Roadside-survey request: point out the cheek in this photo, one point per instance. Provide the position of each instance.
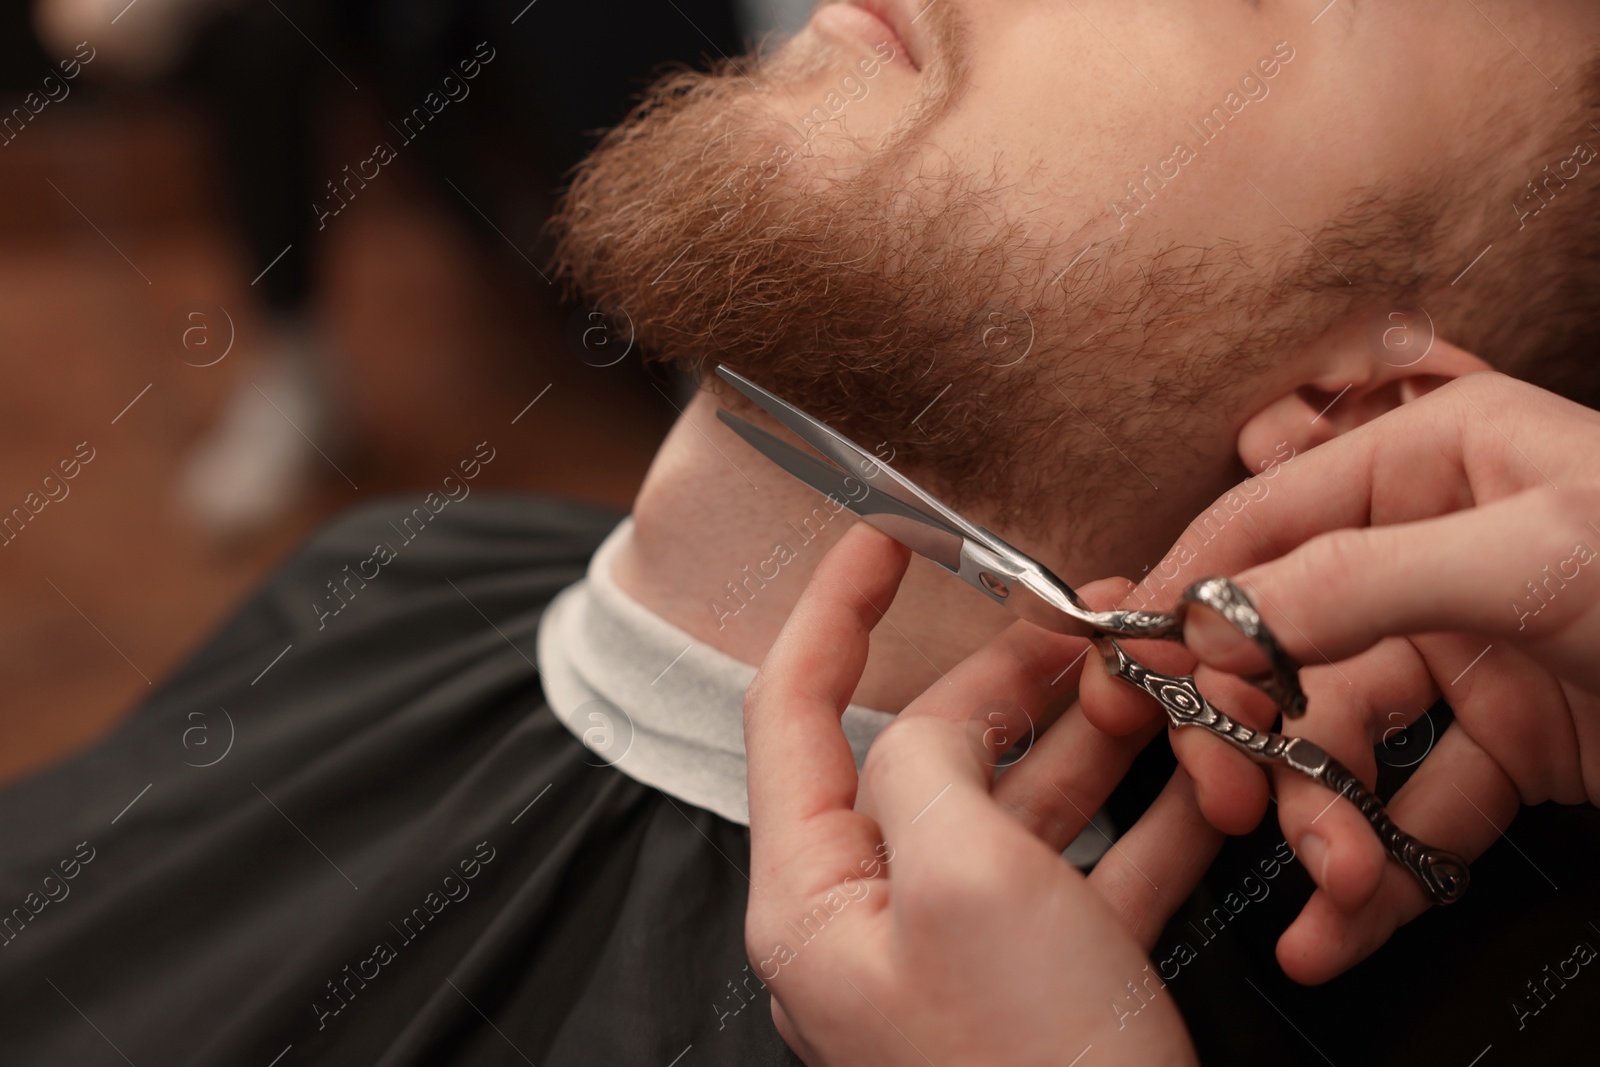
(1064, 135)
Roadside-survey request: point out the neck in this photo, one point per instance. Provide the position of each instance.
(724, 542)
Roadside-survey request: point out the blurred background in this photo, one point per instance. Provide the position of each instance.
(262, 260)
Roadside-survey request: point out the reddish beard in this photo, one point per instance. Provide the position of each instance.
(892, 307)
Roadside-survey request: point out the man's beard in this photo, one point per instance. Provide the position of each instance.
(889, 294)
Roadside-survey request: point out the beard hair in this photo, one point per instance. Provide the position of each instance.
(855, 298)
(873, 295)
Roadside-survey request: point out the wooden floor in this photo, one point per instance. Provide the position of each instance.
(109, 231)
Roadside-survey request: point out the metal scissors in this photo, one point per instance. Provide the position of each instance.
(893, 503)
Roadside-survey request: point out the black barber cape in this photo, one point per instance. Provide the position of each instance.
(363, 838)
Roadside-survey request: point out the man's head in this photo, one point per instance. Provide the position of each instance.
(1066, 252)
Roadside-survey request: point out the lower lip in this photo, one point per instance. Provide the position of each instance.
(858, 24)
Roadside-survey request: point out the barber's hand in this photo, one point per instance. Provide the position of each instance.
(1449, 548)
(913, 916)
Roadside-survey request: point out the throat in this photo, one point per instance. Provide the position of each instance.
(724, 543)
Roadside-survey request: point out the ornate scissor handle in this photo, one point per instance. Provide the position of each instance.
(1444, 875)
(1281, 679)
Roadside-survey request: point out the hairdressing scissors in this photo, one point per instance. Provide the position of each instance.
(893, 503)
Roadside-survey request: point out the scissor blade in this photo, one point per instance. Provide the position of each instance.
(922, 533)
(885, 480)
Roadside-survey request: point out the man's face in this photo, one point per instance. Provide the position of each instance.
(1059, 250)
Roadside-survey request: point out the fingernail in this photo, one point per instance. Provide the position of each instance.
(1314, 857)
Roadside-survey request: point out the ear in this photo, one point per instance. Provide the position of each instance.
(1357, 372)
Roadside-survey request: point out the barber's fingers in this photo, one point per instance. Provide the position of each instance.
(1018, 678)
(1336, 843)
(1515, 710)
(1506, 704)
(1151, 870)
(1325, 941)
(1586, 723)
(1000, 691)
(945, 744)
(1066, 776)
(1008, 691)
(934, 765)
(1331, 486)
(1482, 437)
(1350, 707)
(1230, 788)
(802, 775)
(1119, 708)
(1468, 571)
(1072, 767)
(947, 840)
